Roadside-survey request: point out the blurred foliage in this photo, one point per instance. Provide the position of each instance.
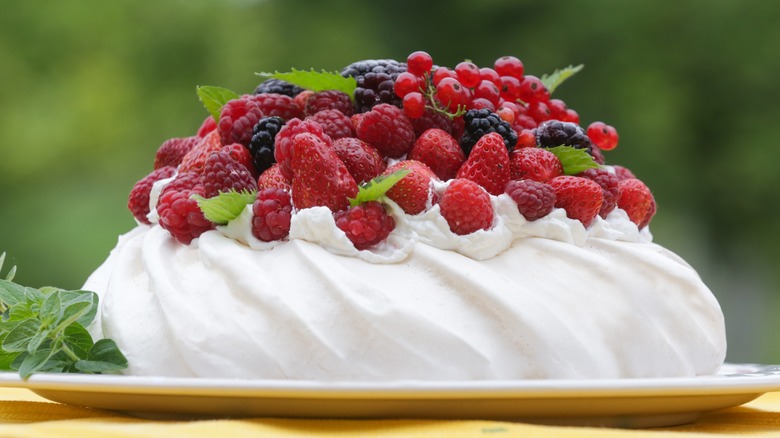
(89, 90)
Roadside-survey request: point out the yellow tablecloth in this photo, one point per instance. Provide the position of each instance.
(24, 414)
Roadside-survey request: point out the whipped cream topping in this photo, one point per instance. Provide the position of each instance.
(542, 299)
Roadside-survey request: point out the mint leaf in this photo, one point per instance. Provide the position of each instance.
(552, 81)
(224, 207)
(316, 80)
(377, 187)
(214, 98)
(574, 160)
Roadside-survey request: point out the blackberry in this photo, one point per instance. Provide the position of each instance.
(556, 133)
(278, 86)
(375, 80)
(262, 144)
(478, 122)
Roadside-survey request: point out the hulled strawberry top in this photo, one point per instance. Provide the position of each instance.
(385, 140)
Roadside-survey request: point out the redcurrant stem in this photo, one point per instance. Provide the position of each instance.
(429, 91)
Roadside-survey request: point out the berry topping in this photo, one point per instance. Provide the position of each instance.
(440, 152)
(237, 119)
(419, 63)
(535, 164)
(334, 123)
(241, 155)
(138, 201)
(196, 157)
(556, 133)
(279, 105)
(362, 160)
(609, 186)
(411, 193)
(284, 141)
(488, 164)
(278, 86)
(480, 122)
(222, 173)
(386, 128)
(320, 178)
(179, 212)
(271, 214)
(272, 177)
(580, 197)
(534, 199)
(466, 207)
(208, 125)
(173, 150)
(329, 100)
(375, 78)
(623, 172)
(262, 144)
(636, 200)
(602, 135)
(366, 224)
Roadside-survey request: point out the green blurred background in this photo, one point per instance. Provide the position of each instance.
(90, 89)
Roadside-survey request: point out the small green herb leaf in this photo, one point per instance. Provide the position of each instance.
(103, 357)
(224, 207)
(552, 81)
(19, 337)
(316, 80)
(574, 160)
(377, 187)
(34, 362)
(213, 98)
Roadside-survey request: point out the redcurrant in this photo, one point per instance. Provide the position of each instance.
(441, 73)
(557, 109)
(526, 138)
(452, 94)
(488, 74)
(414, 105)
(510, 88)
(602, 135)
(539, 111)
(487, 90)
(533, 90)
(509, 66)
(405, 83)
(480, 103)
(572, 116)
(506, 114)
(419, 63)
(468, 74)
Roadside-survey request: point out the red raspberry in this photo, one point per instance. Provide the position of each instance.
(636, 200)
(488, 164)
(271, 214)
(237, 119)
(173, 150)
(623, 173)
(272, 177)
(362, 160)
(386, 128)
(196, 158)
(598, 157)
(138, 201)
(179, 213)
(284, 141)
(366, 224)
(580, 197)
(320, 178)
(434, 119)
(440, 152)
(241, 155)
(272, 104)
(329, 100)
(222, 173)
(609, 186)
(466, 207)
(334, 123)
(535, 164)
(534, 199)
(412, 191)
(302, 97)
(208, 125)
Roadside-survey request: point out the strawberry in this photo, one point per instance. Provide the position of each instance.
(439, 151)
(466, 206)
(173, 150)
(320, 178)
(284, 140)
(412, 191)
(241, 155)
(580, 197)
(535, 164)
(196, 158)
(636, 200)
(362, 160)
(488, 164)
(272, 177)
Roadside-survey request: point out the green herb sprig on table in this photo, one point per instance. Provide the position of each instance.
(44, 330)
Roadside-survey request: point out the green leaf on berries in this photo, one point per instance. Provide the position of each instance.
(552, 81)
(377, 187)
(226, 206)
(574, 160)
(316, 80)
(214, 98)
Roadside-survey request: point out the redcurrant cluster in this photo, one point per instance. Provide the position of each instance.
(521, 100)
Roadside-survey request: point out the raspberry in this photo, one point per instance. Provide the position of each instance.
(466, 207)
(411, 193)
(279, 105)
(609, 186)
(237, 119)
(362, 160)
(386, 128)
(208, 125)
(534, 199)
(334, 123)
(196, 157)
(272, 177)
(173, 150)
(366, 224)
(138, 201)
(434, 119)
(271, 214)
(179, 213)
(479, 123)
(320, 178)
(439, 151)
(375, 79)
(556, 133)
(222, 173)
(329, 100)
(622, 172)
(241, 155)
(535, 164)
(278, 86)
(284, 141)
(580, 197)
(262, 144)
